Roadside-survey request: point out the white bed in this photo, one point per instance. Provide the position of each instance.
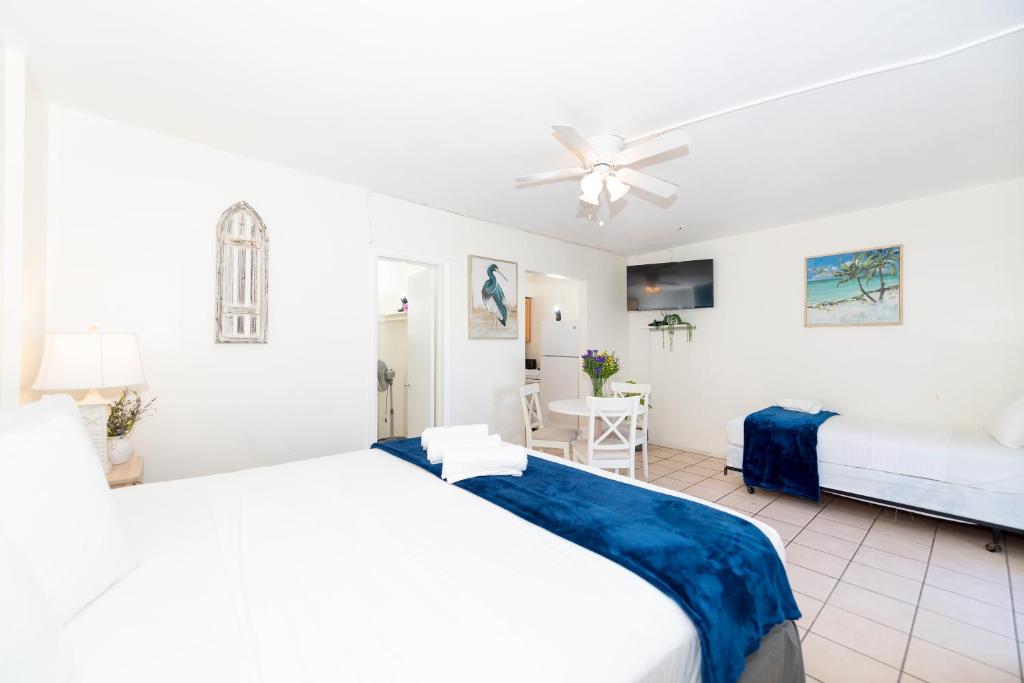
(962, 474)
(362, 567)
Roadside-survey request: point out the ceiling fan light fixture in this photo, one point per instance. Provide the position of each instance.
(591, 185)
(616, 188)
(593, 200)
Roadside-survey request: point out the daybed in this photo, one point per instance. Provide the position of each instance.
(956, 474)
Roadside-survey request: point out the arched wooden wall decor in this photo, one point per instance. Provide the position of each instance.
(241, 276)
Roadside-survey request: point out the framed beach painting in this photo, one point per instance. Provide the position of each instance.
(854, 288)
(493, 298)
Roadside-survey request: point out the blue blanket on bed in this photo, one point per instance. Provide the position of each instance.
(719, 568)
(780, 451)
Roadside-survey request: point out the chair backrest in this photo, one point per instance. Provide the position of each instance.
(611, 430)
(620, 389)
(529, 395)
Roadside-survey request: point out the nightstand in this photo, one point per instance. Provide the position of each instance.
(127, 474)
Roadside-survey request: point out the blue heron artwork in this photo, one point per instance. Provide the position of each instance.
(493, 298)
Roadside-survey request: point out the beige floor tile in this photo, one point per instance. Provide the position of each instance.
(703, 492)
(685, 459)
(832, 663)
(660, 469)
(778, 509)
(688, 477)
(894, 564)
(702, 470)
(1018, 599)
(938, 665)
(979, 589)
(883, 582)
(875, 606)
(975, 612)
(907, 678)
(838, 513)
(970, 641)
(857, 507)
(809, 608)
(752, 503)
(907, 528)
(787, 531)
(1020, 627)
(971, 560)
(809, 582)
(897, 546)
(826, 543)
(723, 486)
(844, 531)
(671, 484)
(809, 558)
(863, 635)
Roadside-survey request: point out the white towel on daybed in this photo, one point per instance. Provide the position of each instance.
(463, 462)
(804, 405)
(431, 433)
(440, 445)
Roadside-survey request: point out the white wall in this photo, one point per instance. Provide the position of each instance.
(33, 276)
(131, 247)
(548, 292)
(959, 353)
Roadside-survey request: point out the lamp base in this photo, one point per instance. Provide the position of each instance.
(95, 410)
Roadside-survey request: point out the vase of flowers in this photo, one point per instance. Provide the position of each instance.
(125, 412)
(599, 366)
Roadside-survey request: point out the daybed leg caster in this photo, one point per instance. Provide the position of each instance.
(725, 469)
(750, 489)
(996, 546)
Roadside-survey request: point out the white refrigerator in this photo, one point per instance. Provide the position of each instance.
(559, 367)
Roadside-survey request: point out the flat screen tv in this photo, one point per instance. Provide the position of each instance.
(668, 286)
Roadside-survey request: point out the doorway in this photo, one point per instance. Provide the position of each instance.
(409, 345)
(555, 336)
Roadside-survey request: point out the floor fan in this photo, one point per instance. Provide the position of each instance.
(385, 380)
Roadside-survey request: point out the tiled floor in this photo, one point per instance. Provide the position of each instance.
(885, 596)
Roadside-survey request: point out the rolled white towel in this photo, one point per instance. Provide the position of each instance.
(440, 445)
(463, 462)
(804, 405)
(431, 433)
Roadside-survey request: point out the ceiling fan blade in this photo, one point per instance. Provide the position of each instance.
(552, 175)
(673, 139)
(571, 138)
(657, 186)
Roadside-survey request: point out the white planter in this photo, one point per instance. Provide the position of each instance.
(121, 450)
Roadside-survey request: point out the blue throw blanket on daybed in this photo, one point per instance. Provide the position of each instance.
(780, 451)
(720, 569)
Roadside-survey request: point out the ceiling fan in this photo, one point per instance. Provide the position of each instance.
(606, 159)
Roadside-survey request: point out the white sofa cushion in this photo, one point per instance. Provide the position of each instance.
(1007, 424)
(33, 646)
(56, 507)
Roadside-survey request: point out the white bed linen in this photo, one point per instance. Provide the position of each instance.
(363, 567)
(913, 450)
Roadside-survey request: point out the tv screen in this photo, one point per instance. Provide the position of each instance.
(667, 286)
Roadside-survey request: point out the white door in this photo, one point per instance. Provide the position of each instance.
(420, 350)
(559, 338)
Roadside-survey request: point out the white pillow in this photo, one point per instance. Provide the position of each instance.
(1007, 424)
(56, 507)
(33, 646)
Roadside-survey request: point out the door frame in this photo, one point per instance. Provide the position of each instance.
(442, 375)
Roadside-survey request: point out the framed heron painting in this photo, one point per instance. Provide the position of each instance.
(493, 298)
(854, 288)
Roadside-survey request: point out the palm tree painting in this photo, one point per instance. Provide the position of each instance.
(855, 288)
(493, 298)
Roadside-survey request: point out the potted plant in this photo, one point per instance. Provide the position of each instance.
(599, 366)
(125, 412)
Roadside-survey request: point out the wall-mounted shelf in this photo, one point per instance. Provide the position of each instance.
(671, 330)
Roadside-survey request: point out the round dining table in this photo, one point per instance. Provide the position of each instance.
(578, 407)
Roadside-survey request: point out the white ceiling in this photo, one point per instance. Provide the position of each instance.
(445, 102)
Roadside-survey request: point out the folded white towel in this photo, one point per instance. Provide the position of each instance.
(440, 445)
(431, 433)
(804, 405)
(463, 462)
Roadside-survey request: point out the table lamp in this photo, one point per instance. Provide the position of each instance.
(90, 360)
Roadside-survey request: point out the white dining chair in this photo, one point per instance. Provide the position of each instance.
(611, 434)
(537, 435)
(643, 391)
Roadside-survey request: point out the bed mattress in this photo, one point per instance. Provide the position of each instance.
(960, 472)
(362, 567)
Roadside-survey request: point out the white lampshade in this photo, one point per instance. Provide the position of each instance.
(591, 186)
(89, 360)
(616, 188)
